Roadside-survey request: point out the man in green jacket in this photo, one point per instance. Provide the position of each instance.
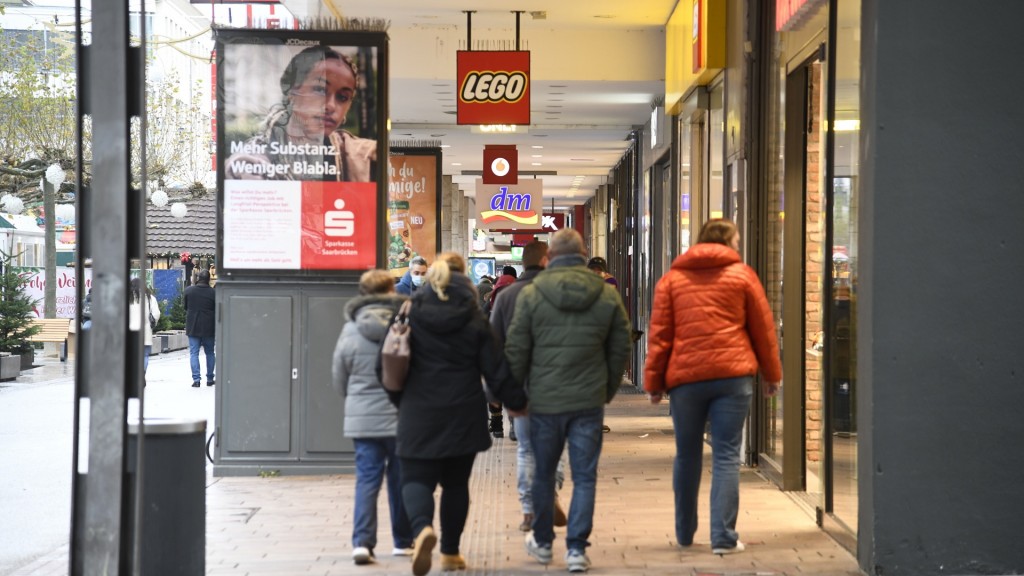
(569, 338)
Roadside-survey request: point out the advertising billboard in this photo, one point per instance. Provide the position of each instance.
(301, 124)
(414, 211)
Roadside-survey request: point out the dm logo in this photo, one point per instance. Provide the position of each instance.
(512, 207)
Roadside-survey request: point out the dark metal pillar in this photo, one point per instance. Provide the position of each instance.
(108, 368)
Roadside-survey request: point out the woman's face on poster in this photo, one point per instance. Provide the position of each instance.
(321, 101)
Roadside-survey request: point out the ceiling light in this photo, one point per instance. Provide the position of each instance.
(456, 163)
(536, 164)
(847, 125)
(446, 145)
(537, 156)
(537, 146)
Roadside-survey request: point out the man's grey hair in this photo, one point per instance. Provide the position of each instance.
(418, 261)
(566, 241)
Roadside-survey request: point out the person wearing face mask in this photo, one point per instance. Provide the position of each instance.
(306, 126)
(414, 277)
(711, 331)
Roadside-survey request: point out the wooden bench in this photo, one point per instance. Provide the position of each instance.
(53, 330)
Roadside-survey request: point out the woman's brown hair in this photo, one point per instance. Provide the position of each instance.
(376, 282)
(717, 231)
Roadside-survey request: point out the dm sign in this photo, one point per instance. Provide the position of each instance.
(504, 206)
(494, 87)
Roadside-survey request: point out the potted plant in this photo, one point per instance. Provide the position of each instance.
(16, 312)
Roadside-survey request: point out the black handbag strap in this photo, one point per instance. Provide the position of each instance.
(403, 312)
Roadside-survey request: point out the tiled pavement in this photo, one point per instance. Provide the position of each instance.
(302, 525)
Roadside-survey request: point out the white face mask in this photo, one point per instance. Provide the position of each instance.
(417, 280)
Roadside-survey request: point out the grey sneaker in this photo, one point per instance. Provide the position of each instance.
(739, 547)
(577, 561)
(539, 552)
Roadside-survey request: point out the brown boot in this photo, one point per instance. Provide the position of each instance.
(422, 549)
(527, 524)
(452, 562)
(559, 514)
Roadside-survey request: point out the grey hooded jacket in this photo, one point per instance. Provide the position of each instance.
(368, 412)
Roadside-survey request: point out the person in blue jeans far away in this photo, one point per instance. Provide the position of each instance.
(201, 325)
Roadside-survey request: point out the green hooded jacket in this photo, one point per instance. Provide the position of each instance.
(569, 339)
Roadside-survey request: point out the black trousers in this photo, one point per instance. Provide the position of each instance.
(419, 479)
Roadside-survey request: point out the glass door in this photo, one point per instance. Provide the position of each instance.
(842, 500)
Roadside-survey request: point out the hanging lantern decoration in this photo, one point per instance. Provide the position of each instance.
(66, 212)
(55, 175)
(159, 198)
(12, 204)
(179, 210)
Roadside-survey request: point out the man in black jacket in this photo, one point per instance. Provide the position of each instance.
(200, 325)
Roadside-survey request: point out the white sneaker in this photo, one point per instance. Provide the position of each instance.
(577, 561)
(540, 553)
(362, 555)
(402, 552)
(734, 550)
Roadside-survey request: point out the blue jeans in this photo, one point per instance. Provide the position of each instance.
(549, 433)
(375, 458)
(145, 358)
(725, 404)
(525, 465)
(194, 342)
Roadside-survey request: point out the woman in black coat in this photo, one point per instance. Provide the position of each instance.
(440, 417)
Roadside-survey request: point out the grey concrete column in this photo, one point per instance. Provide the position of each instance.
(446, 213)
(939, 289)
(463, 224)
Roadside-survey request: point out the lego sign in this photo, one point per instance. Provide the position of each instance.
(506, 206)
(494, 87)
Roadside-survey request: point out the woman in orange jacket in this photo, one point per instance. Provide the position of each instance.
(711, 329)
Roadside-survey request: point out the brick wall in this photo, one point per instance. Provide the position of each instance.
(814, 233)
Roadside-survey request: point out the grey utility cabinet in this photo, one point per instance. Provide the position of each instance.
(276, 409)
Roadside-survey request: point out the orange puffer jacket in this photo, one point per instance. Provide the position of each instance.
(710, 320)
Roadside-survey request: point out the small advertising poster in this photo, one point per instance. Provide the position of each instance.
(480, 267)
(298, 118)
(414, 183)
(502, 207)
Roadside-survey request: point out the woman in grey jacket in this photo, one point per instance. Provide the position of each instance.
(370, 418)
